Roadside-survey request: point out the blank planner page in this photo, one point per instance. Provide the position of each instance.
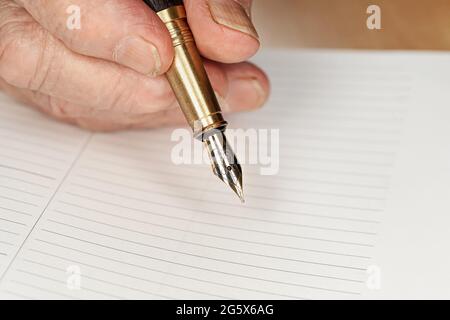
(356, 206)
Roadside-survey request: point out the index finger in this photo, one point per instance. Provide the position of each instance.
(125, 31)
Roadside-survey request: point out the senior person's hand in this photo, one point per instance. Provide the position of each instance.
(108, 74)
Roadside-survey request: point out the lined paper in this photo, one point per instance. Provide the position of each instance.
(36, 155)
(136, 226)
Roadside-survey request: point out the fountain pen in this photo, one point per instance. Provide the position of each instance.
(195, 95)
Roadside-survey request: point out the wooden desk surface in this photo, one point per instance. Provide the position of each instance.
(406, 24)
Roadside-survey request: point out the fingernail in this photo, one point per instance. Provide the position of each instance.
(138, 54)
(246, 93)
(233, 15)
(222, 102)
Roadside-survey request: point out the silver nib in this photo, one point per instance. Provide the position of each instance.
(224, 162)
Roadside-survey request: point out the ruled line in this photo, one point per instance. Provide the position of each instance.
(204, 245)
(86, 142)
(251, 195)
(249, 173)
(336, 117)
(43, 289)
(278, 177)
(9, 232)
(234, 216)
(17, 211)
(248, 230)
(187, 209)
(14, 222)
(260, 186)
(336, 107)
(247, 196)
(344, 161)
(311, 192)
(37, 154)
(25, 181)
(146, 268)
(21, 123)
(212, 235)
(336, 150)
(19, 295)
(327, 182)
(165, 173)
(347, 173)
(200, 256)
(27, 171)
(129, 276)
(197, 200)
(34, 163)
(19, 201)
(98, 279)
(164, 161)
(328, 138)
(33, 143)
(84, 288)
(198, 267)
(22, 191)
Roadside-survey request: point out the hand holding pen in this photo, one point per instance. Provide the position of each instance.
(108, 74)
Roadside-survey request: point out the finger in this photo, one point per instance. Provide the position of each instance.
(223, 29)
(125, 31)
(239, 87)
(91, 119)
(31, 58)
(248, 87)
(57, 108)
(106, 122)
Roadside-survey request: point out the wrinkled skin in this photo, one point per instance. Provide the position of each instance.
(98, 78)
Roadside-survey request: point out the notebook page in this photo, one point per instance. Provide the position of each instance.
(36, 155)
(127, 223)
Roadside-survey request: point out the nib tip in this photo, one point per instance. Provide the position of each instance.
(240, 194)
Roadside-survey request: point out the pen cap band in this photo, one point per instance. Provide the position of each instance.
(188, 78)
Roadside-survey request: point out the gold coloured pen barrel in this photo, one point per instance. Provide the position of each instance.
(188, 77)
(190, 83)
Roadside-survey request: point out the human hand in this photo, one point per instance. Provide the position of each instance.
(108, 74)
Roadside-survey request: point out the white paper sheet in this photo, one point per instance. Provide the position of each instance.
(363, 183)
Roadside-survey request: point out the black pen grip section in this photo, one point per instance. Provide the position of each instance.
(160, 5)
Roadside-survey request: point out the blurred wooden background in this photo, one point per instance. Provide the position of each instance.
(406, 24)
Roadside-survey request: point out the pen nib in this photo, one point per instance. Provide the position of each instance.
(224, 163)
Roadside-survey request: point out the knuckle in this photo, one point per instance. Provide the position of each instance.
(45, 67)
(10, 45)
(163, 95)
(27, 54)
(58, 108)
(130, 94)
(61, 109)
(120, 95)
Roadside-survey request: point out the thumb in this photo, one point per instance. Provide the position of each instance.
(223, 29)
